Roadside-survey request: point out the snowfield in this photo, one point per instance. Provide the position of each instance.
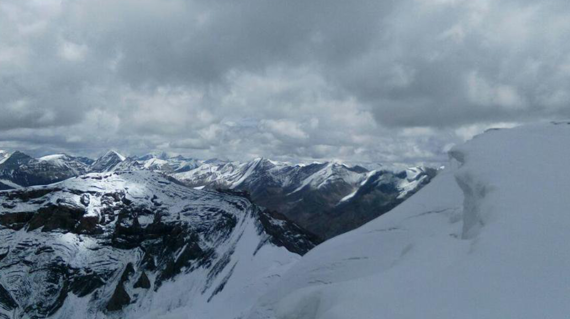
(485, 239)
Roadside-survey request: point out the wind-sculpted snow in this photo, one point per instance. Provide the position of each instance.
(137, 244)
(485, 239)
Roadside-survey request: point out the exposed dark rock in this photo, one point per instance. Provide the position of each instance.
(223, 283)
(6, 300)
(84, 199)
(281, 230)
(142, 282)
(84, 285)
(28, 194)
(15, 221)
(174, 265)
(52, 217)
(8, 205)
(127, 273)
(89, 225)
(119, 299)
(148, 262)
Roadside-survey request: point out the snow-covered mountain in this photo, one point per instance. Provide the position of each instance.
(107, 162)
(168, 164)
(79, 165)
(20, 169)
(485, 239)
(138, 244)
(326, 198)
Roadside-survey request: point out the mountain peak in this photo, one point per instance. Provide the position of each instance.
(114, 153)
(17, 157)
(107, 162)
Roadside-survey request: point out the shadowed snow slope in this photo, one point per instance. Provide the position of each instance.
(485, 239)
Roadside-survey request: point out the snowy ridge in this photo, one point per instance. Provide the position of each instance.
(9, 183)
(331, 172)
(64, 161)
(485, 239)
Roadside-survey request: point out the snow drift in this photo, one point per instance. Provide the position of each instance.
(485, 239)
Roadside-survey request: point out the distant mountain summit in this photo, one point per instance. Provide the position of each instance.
(168, 164)
(23, 170)
(107, 162)
(79, 165)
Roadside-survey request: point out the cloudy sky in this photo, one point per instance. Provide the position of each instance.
(378, 80)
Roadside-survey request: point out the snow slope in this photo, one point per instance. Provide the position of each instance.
(4, 155)
(485, 239)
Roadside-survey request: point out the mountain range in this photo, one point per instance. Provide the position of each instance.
(327, 198)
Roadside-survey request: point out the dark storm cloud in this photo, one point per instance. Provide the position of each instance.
(367, 80)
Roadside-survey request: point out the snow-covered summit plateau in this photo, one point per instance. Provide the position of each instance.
(487, 238)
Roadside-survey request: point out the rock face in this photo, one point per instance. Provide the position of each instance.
(134, 244)
(325, 198)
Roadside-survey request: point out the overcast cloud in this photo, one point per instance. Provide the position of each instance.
(380, 81)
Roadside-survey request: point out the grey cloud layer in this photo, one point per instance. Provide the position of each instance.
(365, 80)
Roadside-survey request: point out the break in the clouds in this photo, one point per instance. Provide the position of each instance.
(397, 81)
